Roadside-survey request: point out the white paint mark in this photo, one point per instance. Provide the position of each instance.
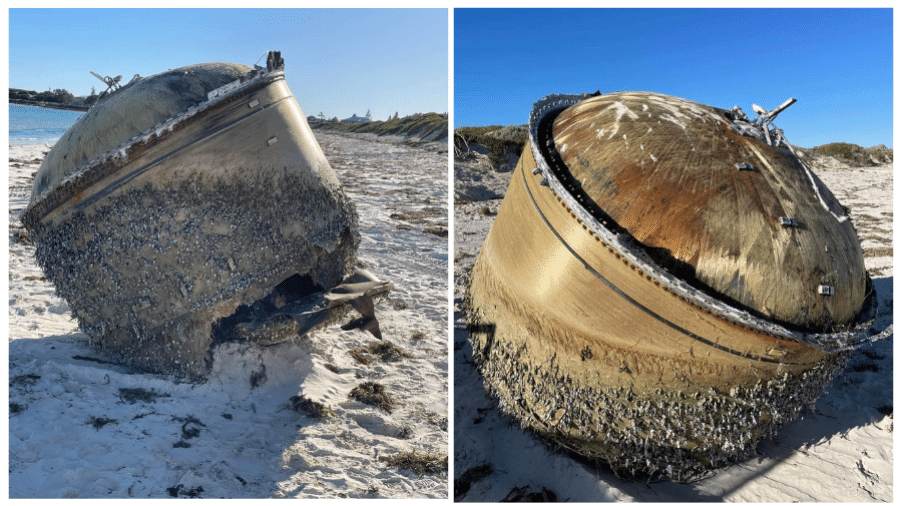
(672, 119)
(621, 110)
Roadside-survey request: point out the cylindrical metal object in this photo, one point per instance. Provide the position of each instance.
(624, 301)
(171, 203)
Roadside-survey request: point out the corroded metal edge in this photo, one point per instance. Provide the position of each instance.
(542, 146)
(119, 156)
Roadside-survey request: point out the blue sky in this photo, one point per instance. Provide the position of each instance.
(837, 63)
(338, 62)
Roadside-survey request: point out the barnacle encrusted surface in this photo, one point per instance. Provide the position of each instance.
(186, 256)
(678, 434)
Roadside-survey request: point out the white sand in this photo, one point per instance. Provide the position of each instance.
(841, 452)
(76, 432)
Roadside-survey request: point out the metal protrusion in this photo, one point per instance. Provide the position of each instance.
(536, 171)
(112, 83)
(774, 112)
(826, 290)
(272, 141)
(274, 61)
(789, 222)
(253, 103)
(545, 181)
(744, 166)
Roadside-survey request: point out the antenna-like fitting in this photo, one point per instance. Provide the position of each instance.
(764, 120)
(112, 83)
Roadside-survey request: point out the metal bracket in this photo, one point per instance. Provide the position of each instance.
(826, 290)
(789, 222)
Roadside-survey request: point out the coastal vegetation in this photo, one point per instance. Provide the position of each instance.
(854, 155)
(427, 127)
(58, 99)
(498, 140)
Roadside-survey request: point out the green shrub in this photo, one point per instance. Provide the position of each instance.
(498, 147)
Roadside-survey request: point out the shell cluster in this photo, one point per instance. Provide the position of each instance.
(676, 435)
(107, 265)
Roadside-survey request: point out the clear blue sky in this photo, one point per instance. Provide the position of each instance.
(837, 63)
(338, 62)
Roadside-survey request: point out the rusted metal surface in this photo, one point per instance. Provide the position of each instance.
(588, 315)
(663, 169)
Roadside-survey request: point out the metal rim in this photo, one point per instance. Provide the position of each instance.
(118, 157)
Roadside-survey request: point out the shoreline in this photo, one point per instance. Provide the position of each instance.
(49, 105)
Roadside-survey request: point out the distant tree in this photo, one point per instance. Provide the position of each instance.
(92, 98)
(396, 115)
(369, 115)
(63, 96)
(45, 96)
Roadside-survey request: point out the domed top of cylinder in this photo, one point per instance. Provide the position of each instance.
(715, 205)
(128, 112)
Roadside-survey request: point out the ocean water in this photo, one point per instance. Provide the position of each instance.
(38, 125)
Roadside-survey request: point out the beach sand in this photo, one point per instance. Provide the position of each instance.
(81, 426)
(840, 452)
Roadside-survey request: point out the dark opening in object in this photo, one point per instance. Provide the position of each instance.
(287, 292)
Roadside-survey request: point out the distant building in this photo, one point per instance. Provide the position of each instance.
(355, 119)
